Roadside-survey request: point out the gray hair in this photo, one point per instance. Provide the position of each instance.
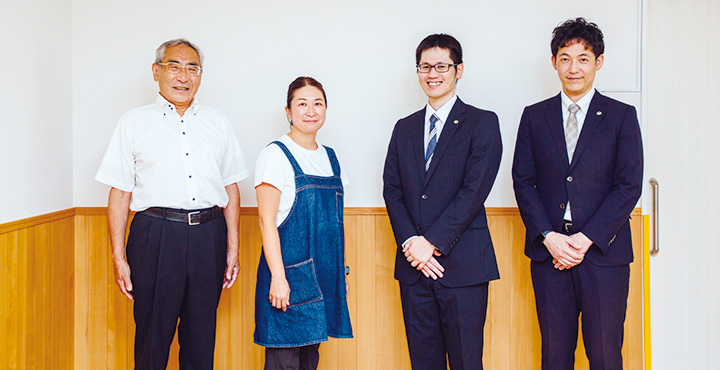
(160, 54)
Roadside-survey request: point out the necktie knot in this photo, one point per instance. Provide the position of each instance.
(573, 108)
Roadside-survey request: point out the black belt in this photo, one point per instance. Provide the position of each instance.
(192, 217)
(567, 226)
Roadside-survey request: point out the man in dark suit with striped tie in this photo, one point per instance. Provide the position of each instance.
(441, 164)
(577, 175)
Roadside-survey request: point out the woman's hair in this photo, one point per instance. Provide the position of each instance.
(301, 82)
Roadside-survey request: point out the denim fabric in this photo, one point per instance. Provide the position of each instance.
(312, 242)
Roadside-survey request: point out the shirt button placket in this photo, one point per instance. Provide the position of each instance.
(188, 162)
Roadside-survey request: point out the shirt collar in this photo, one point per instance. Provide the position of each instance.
(165, 106)
(583, 103)
(441, 113)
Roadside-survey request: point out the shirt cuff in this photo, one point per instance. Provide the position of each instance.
(409, 239)
(237, 178)
(109, 181)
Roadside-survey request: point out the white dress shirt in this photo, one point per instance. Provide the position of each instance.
(442, 115)
(166, 160)
(584, 104)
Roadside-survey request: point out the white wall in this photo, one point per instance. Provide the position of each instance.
(682, 154)
(36, 173)
(363, 52)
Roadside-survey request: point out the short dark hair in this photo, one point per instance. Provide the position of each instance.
(301, 82)
(578, 30)
(442, 41)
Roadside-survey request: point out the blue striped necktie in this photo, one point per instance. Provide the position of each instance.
(432, 143)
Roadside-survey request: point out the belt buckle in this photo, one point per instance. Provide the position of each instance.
(190, 221)
(567, 225)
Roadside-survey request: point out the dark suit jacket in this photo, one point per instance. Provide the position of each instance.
(603, 181)
(446, 204)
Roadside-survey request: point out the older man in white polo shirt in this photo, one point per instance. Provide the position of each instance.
(176, 163)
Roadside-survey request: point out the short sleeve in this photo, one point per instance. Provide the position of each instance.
(343, 173)
(117, 168)
(273, 168)
(234, 166)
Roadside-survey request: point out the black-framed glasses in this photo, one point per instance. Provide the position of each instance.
(440, 67)
(176, 68)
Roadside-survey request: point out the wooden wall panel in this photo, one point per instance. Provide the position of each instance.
(511, 330)
(36, 304)
(62, 286)
(64, 310)
(103, 322)
(82, 307)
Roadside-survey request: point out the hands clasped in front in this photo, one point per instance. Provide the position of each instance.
(421, 255)
(567, 250)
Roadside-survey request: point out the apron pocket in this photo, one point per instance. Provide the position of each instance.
(304, 287)
(339, 206)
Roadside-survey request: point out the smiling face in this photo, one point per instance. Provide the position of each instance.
(439, 87)
(179, 89)
(576, 67)
(307, 110)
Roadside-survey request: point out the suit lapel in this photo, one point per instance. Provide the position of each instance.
(553, 115)
(418, 143)
(592, 120)
(455, 119)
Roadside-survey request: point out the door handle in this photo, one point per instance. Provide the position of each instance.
(655, 216)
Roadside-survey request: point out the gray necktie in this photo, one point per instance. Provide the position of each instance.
(571, 131)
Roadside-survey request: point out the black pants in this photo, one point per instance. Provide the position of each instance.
(296, 358)
(177, 272)
(600, 293)
(440, 320)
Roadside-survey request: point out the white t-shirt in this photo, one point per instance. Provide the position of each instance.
(274, 168)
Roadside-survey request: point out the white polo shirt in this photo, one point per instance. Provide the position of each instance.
(166, 160)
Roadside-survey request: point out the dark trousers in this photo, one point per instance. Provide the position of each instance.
(442, 321)
(177, 272)
(295, 358)
(600, 293)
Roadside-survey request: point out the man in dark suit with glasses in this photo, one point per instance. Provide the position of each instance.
(441, 164)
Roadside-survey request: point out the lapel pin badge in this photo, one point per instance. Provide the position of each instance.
(455, 122)
(599, 113)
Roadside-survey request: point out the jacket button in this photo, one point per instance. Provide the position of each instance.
(424, 196)
(419, 226)
(569, 178)
(562, 205)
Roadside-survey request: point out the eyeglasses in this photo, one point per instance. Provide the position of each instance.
(440, 67)
(176, 68)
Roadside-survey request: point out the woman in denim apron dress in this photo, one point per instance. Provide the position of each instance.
(301, 295)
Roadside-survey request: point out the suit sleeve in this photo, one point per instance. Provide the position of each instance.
(524, 172)
(402, 224)
(627, 185)
(480, 171)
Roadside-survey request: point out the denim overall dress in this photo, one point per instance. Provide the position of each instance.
(312, 243)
